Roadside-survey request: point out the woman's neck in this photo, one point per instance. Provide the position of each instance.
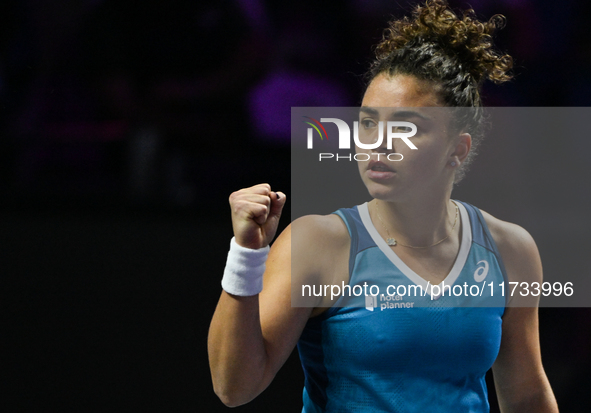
(418, 224)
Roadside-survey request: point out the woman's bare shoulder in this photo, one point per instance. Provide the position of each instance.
(517, 248)
(314, 230)
(328, 230)
(505, 232)
(313, 237)
(312, 250)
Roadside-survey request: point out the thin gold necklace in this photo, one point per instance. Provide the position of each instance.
(392, 241)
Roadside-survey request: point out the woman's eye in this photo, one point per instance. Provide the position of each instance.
(402, 129)
(368, 123)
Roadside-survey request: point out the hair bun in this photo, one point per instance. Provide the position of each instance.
(466, 40)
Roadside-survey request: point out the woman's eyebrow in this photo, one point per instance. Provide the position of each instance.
(368, 110)
(405, 114)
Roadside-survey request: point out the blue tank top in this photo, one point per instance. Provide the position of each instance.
(403, 352)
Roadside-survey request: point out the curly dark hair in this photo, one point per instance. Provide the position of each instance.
(455, 54)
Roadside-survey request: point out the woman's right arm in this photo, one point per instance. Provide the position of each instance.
(251, 337)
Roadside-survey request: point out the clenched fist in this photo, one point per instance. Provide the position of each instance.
(255, 215)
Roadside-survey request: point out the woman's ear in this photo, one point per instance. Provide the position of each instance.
(461, 150)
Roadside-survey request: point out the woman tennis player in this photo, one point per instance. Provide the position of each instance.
(404, 356)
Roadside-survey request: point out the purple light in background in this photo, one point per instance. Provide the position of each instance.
(270, 102)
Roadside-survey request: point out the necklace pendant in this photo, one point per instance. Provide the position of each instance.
(391, 241)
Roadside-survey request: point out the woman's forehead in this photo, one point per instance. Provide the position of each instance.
(400, 91)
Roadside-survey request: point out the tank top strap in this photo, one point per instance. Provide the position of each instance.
(481, 234)
(360, 237)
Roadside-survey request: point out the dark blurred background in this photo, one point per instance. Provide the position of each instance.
(125, 125)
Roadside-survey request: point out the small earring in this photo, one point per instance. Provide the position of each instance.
(453, 163)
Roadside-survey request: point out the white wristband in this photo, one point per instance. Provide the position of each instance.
(244, 270)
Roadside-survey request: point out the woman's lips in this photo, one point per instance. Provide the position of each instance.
(379, 170)
(376, 175)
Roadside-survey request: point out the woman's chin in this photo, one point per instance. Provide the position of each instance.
(383, 193)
